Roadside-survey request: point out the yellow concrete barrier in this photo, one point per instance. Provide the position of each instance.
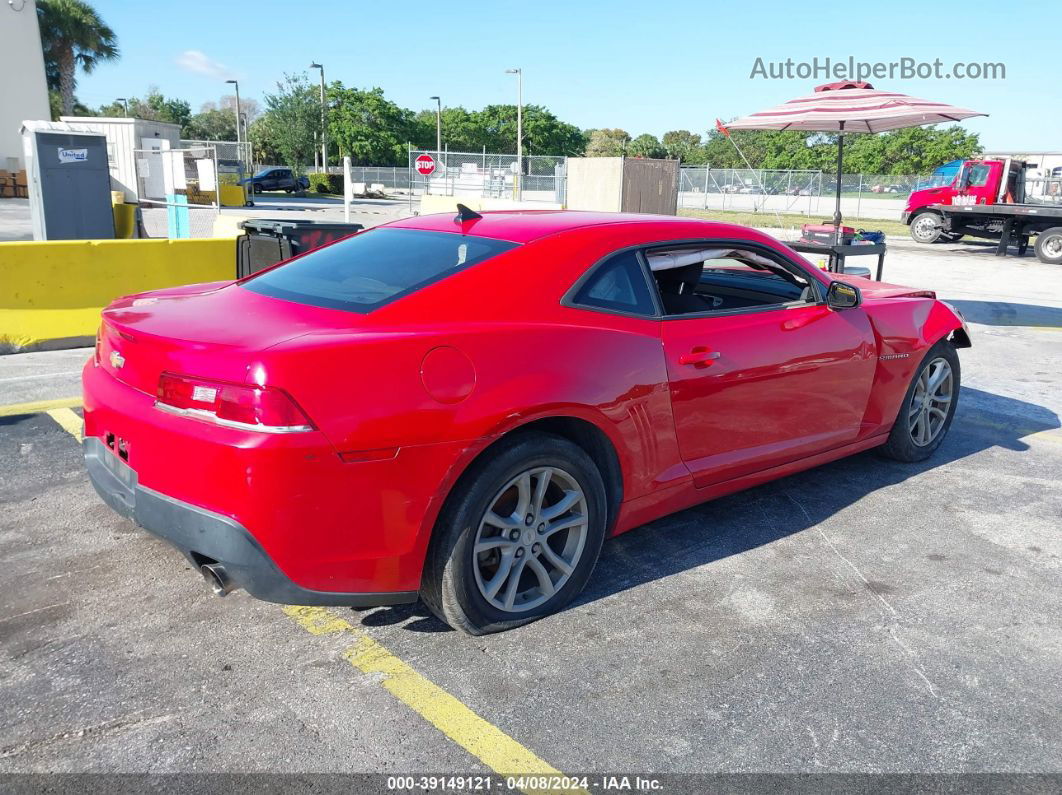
(124, 219)
(51, 292)
(233, 195)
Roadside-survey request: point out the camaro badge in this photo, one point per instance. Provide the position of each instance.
(117, 360)
(894, 356)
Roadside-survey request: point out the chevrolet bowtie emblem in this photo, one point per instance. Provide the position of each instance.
(117, 360)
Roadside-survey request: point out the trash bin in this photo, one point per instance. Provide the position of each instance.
(265, 241)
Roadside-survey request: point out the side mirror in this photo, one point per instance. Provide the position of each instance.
(842, 296)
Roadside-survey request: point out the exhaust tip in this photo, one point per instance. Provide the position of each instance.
(216, 578)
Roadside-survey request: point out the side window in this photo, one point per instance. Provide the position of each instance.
(721, 278)
(978, 176)
(618, 285)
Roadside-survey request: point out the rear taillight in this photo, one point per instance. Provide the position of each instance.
(266, 409)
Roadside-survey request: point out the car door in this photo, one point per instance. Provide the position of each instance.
(760, 386)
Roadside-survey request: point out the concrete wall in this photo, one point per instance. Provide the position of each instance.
(24, 92)
(595, 183)
(51, 292)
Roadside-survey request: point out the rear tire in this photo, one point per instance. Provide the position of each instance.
(1049, 246)
(927, 227)
(928, 406)
(518, 538)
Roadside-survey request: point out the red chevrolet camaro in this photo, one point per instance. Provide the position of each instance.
(463, 408)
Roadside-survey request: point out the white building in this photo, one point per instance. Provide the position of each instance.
(1044, 164)
(129, 140)
(23, 88)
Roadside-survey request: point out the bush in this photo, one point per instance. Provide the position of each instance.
(325, 183)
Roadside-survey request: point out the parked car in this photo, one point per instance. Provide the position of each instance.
(463, 409)
(276, 178)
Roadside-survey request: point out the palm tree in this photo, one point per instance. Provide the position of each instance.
(73, 34)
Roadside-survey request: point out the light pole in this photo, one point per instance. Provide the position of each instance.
(519, 72)
(125, 103)
(438, 127)
(239, 148)
(324, 120)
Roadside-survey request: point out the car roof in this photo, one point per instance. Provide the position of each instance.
(524, 226)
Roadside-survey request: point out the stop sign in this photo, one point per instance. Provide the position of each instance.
(425, 164)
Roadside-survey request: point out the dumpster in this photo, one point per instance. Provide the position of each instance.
(265, 241)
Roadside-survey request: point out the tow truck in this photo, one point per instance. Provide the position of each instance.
(993, 199)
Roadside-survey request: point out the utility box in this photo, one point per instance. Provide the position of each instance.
(128, 140)
(623, 184)
(69, 182)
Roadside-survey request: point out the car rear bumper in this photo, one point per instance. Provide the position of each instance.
(206, 537)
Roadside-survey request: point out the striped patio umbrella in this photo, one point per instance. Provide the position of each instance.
(850, 107)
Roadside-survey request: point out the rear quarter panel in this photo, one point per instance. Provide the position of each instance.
(367, 392)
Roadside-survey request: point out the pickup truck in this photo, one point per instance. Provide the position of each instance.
(991, 199)
(276, 178)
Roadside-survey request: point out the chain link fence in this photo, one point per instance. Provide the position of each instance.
(178, 191)
(880, 196)
(538, 178)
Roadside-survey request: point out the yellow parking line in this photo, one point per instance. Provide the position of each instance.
(38, 406)
(496, 749)
(68, 421)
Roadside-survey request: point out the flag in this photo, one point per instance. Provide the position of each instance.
(719, 126)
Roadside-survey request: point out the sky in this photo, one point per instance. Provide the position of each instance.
(643, 67)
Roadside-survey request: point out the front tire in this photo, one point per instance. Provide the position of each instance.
(928, 407)
(518, 538)
(927, 227)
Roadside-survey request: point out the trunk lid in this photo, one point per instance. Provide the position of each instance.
(211, 330)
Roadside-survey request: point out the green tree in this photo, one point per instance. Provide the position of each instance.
(157, 107)
(646, 145)
(915, 150)
(211, 125)
(72, 35)
(494, 128)
(607, 142)
(55, 105)
(290, 126)
(460, 133)
(544, 133)
(683, 145)
(262, 139)
(370, 128)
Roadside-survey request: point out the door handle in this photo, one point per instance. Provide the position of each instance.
(699, 356)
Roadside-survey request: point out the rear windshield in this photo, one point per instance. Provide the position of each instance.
(374, 268)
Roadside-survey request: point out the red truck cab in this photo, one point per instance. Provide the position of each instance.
(977, 182)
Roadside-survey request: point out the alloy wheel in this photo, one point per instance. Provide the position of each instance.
(930, 402)
(925, 225)
(530, 539)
